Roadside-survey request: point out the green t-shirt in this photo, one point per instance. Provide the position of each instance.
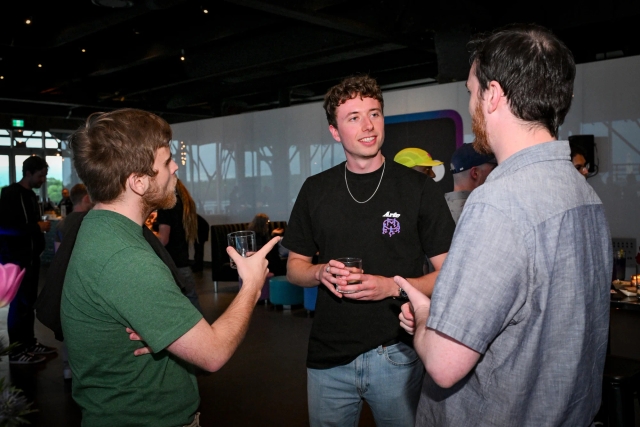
(115, 280)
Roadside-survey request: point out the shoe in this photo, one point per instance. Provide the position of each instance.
(38, 349)
(25, 358)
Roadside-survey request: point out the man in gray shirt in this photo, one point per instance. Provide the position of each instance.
(516, 334)
(470, 170)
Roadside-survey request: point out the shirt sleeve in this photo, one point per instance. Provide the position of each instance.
(299, 235)
(436, 225)
(483, 284)
(147, 298)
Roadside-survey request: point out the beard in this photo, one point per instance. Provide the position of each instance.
(157, 198)
(479, 129)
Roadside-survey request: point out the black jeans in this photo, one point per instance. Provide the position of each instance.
(20, 321)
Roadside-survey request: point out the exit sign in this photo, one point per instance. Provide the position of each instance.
(17, 123)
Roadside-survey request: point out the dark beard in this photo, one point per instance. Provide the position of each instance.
(155, 199)
(479, 128)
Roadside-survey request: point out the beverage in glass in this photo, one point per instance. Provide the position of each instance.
(354, 265)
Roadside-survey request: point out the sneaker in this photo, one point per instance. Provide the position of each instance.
(38, 349)
(25, 358)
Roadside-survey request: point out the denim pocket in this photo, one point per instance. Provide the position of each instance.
(401, 355)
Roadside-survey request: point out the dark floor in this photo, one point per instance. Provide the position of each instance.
(264, 383)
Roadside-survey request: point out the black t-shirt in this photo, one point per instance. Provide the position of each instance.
(407, 219)
(21, 240)
(178, 247)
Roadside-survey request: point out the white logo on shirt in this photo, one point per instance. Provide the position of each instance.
(391, 215)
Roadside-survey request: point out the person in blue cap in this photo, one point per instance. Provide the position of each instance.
(469, 169)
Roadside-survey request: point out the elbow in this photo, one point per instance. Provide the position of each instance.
(212, 366)
(442, 379)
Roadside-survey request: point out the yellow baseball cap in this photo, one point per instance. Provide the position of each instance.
(411, 157)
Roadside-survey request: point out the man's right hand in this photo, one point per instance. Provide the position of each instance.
(44, 226)
(253, 270)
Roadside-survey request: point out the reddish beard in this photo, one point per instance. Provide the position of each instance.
(155, 198)
(479, 128)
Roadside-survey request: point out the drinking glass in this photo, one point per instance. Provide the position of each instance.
(354, 265)
(244, 242)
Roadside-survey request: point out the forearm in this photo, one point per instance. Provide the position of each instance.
(303, 273)
(425, 283)
(231, 327)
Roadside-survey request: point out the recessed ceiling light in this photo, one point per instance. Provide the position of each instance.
(84, 50)
(205, 11)
(28, 21)
(39, 65)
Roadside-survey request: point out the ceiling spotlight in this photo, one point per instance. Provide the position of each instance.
(182, 55)
(83, 50)
(28, 21)
(39, 65)
(205, 11)
(1, 77)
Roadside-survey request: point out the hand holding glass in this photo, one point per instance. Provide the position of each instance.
(244, 242)
(354, 265)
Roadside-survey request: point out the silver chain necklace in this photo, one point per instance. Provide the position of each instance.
(374, 193)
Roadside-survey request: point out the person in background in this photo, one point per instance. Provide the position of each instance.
(177, 229)
(260, 225)
(81, 202)
(389, 216)
(120, 302)
(579, 160)
(417, 159)
(516, 331)
(198, 245)
(21, 243)
(66, 203)
(469, 169)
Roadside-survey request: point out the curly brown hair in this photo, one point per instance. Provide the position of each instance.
(362, 86)
(111, 146)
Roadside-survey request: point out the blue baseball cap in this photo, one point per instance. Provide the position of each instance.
(466, 157)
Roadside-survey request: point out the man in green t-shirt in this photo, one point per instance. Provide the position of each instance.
(118, 292)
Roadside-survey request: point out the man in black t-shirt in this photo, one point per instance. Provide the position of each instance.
(391, 217)
(21, 242)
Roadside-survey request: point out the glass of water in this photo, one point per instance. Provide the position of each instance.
(244, 242)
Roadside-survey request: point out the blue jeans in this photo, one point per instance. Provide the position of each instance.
(388, 378)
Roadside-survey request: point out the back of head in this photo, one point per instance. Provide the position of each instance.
(77, 193)
(575, 150)
(362, 86)
(33, 164)
(465, 157)
(534, 68)
(112, 146)
(260, 224)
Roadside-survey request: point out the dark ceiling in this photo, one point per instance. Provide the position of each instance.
(77, 56)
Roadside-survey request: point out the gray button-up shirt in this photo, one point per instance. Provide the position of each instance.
(526, 284)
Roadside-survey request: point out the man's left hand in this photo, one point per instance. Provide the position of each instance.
(372, 288)
(133, 336)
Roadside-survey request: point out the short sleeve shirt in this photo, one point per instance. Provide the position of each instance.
(405, 220)
(525, 284)
(114, 281)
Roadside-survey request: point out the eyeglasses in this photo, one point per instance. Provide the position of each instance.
(581, 168)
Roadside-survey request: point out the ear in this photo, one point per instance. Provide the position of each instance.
(334, 133)
(473, 173)
(138, 183)
(493, 96)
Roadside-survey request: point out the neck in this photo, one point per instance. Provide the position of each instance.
(24, 182)
(124, 206)
(516, 137)
(365, 165)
